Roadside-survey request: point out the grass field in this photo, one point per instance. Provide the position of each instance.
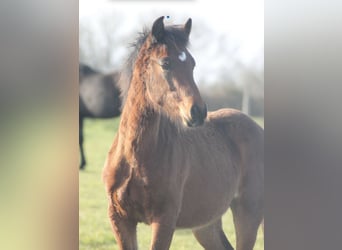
(94, 227)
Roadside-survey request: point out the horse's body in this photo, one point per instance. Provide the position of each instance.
(99, 97)
(170, 165)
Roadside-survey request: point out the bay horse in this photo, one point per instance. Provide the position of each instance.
(175, 165)
(99, 97)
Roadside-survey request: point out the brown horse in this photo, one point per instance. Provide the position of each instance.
(173, 166)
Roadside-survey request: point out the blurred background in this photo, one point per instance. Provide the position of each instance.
(227, 42)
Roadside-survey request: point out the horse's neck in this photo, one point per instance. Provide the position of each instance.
(141, 129)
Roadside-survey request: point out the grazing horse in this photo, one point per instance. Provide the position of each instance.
(99, 97)
(172, 164)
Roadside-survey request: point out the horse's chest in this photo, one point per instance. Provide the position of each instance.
(132, 199)
(142, 195)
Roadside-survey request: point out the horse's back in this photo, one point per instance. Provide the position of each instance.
(242, 130)
(237, 125)
(233, 116)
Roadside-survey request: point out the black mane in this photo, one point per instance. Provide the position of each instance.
(173, 34)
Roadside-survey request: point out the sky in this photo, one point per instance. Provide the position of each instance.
(242, 21)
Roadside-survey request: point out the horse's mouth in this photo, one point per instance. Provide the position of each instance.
(194, 123)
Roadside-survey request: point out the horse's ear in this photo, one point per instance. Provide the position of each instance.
(187, 26)
(158, 29)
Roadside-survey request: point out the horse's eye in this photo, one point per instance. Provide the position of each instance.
(166, 63)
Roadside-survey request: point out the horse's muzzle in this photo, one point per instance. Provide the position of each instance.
(198, 116)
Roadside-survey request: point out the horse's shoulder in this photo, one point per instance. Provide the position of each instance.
(114, 164)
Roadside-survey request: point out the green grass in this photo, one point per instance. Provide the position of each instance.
(94, 227)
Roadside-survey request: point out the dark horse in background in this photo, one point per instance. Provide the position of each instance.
(99, 97)
(173, 164)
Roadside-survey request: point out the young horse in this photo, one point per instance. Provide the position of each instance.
(173, 166)
(99, 97)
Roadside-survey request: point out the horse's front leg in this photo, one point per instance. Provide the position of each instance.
(163, 227)
(124, 230)
(162, 232)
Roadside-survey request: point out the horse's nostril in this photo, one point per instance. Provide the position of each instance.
(197, 113)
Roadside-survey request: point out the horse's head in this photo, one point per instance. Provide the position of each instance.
(169, 77)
